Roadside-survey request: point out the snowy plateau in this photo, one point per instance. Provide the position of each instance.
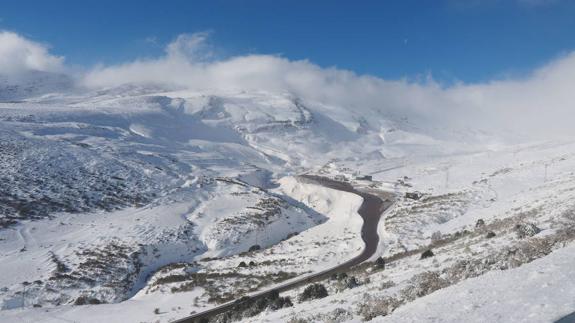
(149, 204)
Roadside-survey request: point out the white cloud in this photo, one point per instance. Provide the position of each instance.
(541, 104)
(189, 47)
(186, 64)
(18, 55)
(530, 104)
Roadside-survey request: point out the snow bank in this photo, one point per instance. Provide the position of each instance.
(341, 209)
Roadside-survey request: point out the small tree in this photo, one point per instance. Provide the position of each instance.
(380, 263)
(427, 254)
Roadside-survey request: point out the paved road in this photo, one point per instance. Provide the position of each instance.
(567, 319)
(370, 210)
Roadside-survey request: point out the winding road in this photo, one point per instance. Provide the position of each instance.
(373, 206)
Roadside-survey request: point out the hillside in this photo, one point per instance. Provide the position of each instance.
(120, 201)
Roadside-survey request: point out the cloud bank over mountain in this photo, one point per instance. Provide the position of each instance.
(540, 103)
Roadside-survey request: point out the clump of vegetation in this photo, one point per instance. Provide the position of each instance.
(86, 300)
(373, 307)
(255, 247)
(248, 306)
(524, 230)
(336, 316)
(338, 277)
(343, 281)
(436, 237)
(379, 263)
(217, 284)
(480, 223)
(427, 254)
(313, 291)
(60, 266)
(424, 284)
(387, 284)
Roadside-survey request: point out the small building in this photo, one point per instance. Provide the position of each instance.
(364, 178)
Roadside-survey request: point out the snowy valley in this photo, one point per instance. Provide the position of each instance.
(149, 203)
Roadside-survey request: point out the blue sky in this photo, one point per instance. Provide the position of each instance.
(472, 41)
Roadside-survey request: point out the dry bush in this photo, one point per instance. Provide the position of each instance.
(423, 284)
(372, 307)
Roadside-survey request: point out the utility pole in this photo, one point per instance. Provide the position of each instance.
(24, 284)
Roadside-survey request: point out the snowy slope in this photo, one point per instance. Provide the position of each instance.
(146, 197)
(541, 291)
(32, 83)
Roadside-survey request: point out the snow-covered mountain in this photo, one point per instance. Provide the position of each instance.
(146, 197)
(33, 83)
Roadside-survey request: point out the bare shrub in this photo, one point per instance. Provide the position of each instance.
(524, 230)
(313, 291)
(386, 285)
(336, 316)
(297, 320)
(423, 284)
(372, 307)
(436, 237)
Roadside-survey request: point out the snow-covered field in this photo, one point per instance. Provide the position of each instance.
(143, 204)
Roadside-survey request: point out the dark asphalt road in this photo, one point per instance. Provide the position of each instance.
(370, 210)
(567, 319)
